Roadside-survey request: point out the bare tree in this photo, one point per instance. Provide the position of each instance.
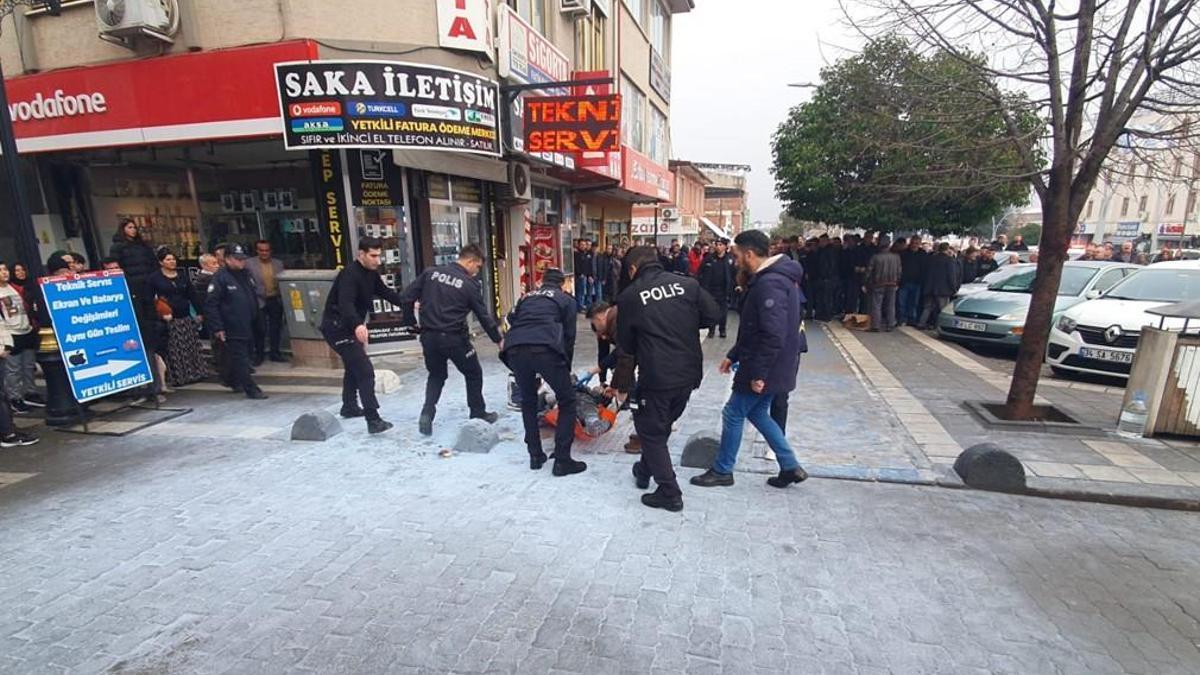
(1101, 73)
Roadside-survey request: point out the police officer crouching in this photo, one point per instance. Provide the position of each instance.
(541, 341)
(229, 311)
(448, 293)
(659, 317)
(345, 329)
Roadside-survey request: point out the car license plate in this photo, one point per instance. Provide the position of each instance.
(970, 325)
(1106, 355)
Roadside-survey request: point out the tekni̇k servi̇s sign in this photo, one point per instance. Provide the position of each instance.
(387, 104)
(97, 333)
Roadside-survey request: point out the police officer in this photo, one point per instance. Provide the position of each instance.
(541, 341)
(447, 294)
(345, 329)
(659, 317)
(229, 310)
(717, 277)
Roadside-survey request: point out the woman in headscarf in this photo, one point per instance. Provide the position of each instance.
(179, 337)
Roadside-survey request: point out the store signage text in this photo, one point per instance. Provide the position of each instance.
(466, 25)
(660, 75)
(573, 124)
(331, 203)
(1171, 229)
(526, 56)
(387, 105)
(58, 104)
(645, 176)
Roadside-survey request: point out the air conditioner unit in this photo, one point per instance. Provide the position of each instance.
(123, 21)
(669, 214)
(519, 189)
(572, 7)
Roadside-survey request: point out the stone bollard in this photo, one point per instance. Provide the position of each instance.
(987, 466)
(386, 381)
(700, 451)
(316, 426)
(476, 436)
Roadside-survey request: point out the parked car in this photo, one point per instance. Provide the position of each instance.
(1003, 272)
(1100, 336)
(997, 315)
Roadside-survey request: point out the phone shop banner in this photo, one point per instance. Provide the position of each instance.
(387, 104)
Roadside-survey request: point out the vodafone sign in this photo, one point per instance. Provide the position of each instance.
(227, 93)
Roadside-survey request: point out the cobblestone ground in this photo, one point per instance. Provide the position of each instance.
(257, 556)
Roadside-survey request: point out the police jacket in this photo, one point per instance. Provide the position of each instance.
(447, 294)
(231, 304)
(545, 318)
(351, 299)
(770, 339)
(659, 318)
(716, 274)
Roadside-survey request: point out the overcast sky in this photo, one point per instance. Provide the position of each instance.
(732, 63)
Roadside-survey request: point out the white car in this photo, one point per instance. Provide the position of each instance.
(1000, 274)
(1100, 336)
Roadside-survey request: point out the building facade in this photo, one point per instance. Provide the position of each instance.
(727, 198)
(179, 127)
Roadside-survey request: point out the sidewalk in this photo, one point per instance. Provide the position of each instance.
(926, 380)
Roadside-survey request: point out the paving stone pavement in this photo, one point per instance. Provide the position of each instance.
(369, 555)
(939, 376)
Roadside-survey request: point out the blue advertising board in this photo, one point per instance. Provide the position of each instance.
(97, 333)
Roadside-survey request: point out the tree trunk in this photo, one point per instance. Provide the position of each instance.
(1057, 229)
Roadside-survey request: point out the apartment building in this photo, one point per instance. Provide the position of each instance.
(169, 112)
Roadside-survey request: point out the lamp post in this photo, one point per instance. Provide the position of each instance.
(61, 408)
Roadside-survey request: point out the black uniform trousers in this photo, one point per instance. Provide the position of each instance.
(269, 322)
(527, 364)
(358, 376)
(237, 356)
(779, 410)
(723, 306)
(438, 348)
(657, 411)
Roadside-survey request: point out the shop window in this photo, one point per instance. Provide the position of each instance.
(660, 27)
(456, 217)
(633, 115)
(534, 13)
(658, 136)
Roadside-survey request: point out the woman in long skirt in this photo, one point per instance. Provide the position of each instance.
(173, 296)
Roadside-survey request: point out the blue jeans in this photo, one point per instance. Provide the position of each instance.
(583, 292)
(910, 303)
(744, 406)
(597, 291)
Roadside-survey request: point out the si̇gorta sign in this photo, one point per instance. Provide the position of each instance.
(387, 104)
(97, 333)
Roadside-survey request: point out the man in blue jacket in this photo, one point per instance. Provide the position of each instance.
(541, 341)
(767, 355)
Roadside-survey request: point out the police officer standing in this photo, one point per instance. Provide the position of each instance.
(717, 277)
(447, 294)
(229, 311)
(659, 317)
(345, 329)
(541, 341)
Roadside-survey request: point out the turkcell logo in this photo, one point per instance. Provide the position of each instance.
(378, 109)
(317, 125)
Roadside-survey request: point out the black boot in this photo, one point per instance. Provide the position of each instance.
(537, 460)
(425, 424)
(489, 417)
(351, 411)
(786, 478)
(565, 466)
(641, 477)
(657, 500)
(378, 426)
(711, 478)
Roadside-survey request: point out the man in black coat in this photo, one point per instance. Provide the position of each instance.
(941, 283)
(767, 352)
(913, 262)
(448, 294)
(717, 277)
(585, 270)
(344, 327)
(229, 310)
(541, 342)
(659, 318)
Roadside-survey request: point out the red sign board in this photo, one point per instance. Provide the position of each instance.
(573, 124)
(226, 93)
(647, 177)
